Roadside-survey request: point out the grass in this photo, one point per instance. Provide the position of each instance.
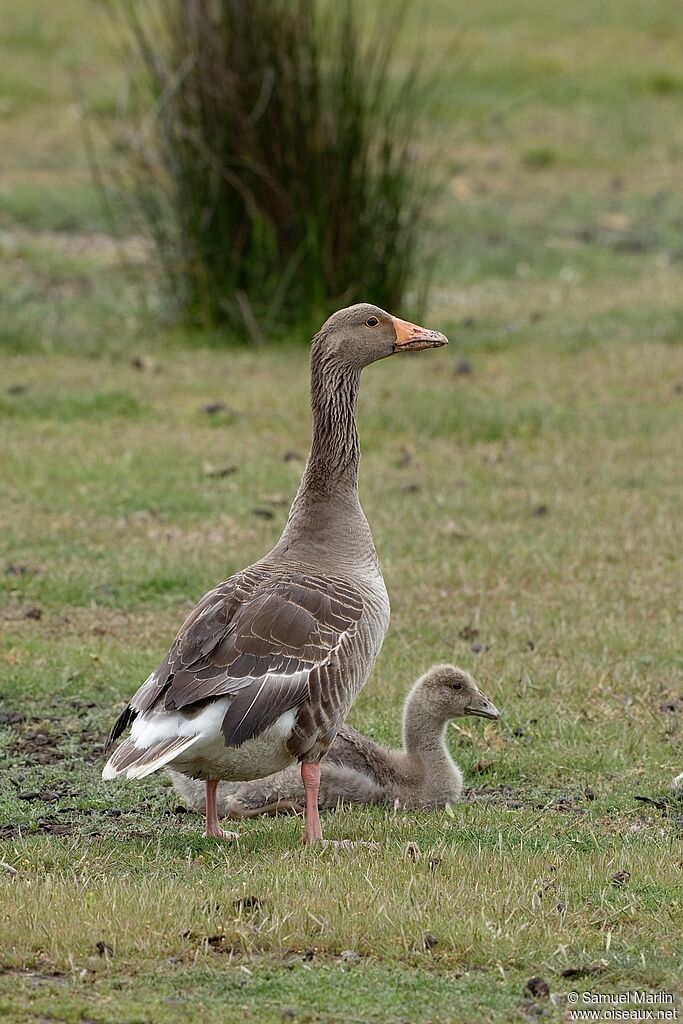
(576, 645)
(276, 179)
(528, 515)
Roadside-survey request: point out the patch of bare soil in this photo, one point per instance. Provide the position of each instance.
(506, 796)
(38, 740)
(36, 746)
(108, 623)
(46, 826)
(34, 977)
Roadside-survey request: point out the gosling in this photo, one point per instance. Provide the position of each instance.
(357, 770)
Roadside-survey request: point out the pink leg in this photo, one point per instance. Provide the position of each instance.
(310, 776)
(213, 827)
(313, 833)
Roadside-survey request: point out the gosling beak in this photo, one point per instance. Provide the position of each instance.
(483, 709)
(411, 338)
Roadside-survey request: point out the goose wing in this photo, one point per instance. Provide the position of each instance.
(257, 638)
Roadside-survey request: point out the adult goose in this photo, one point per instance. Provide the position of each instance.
(358, 770)
(264, 670)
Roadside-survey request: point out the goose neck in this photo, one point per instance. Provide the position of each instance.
(424, 732)
(332, 466)
(326, 521)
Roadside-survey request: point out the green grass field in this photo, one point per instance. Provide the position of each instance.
(525, 492)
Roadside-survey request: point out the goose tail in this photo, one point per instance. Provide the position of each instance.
(134, 762)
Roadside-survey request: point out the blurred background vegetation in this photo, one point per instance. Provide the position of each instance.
(269, 152)
(554, 135)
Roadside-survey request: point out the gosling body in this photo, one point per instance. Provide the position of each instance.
(357, 770)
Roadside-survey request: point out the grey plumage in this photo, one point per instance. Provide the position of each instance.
(358, 770)
(258, 638)
(264, 670)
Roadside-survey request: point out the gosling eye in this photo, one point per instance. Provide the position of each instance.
(371, 321)
(456, 686)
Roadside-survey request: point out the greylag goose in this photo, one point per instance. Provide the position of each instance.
(357, 770)
(264, 670)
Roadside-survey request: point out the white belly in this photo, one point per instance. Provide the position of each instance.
(208, 757)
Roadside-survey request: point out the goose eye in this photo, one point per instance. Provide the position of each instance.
(456, 686)
(371, 321)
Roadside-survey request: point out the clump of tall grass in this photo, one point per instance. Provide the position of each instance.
(273, 161)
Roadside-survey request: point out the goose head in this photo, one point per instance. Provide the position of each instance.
(450, 692)
(362, 334)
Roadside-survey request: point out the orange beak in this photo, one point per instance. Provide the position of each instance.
(411, 338)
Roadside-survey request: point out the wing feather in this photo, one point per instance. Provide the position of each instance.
(259, 638)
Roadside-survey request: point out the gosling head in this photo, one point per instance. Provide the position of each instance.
(451, 693)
